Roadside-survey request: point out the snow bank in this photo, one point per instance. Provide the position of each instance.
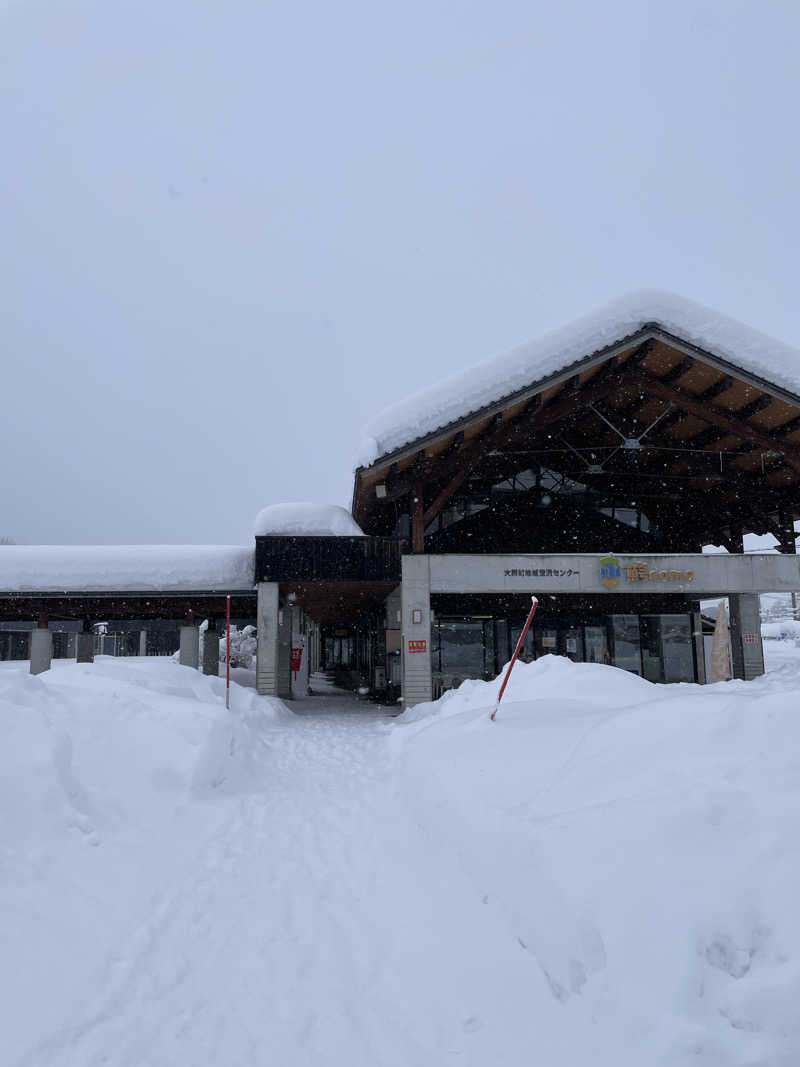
(113, 776)
(307, 520)
(129, 568)
(605, 875)
(545, 678)
(781, 629)
(469, 390)
(638, 843)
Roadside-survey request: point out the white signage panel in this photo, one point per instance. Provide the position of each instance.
(692, 575)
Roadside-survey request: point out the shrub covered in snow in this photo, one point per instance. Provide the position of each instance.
(243, 647)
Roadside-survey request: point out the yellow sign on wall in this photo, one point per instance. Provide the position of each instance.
(613, 571)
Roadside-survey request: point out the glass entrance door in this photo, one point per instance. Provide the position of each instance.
(667, 653)
(625, 648)
(596, 643)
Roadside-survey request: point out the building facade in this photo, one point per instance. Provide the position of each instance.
(588, 469)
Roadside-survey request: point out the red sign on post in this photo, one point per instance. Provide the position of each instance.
(417, 646)
(298, 644)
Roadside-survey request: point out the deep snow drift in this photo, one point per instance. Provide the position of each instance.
(607, 874)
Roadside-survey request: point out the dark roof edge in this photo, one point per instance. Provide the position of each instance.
(137, 594)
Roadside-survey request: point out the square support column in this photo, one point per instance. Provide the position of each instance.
(416, 626)
(285, 652)
(267, 648)
(747, 649)
(699, 647)
(143, 642)
(84, 647)
(190, 646)
(41, 649)
(211, 649)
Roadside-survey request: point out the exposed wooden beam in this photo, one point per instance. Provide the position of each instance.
(678, 370)
(720, 386)
(417, 520)
(502, 433)
(611, 376)
(787, 427)
(451, 468)
(759, 404)
(706, 437)
(452, 487)
(708, 413)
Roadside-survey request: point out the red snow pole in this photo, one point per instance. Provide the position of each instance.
(525, 628)
(228, 652)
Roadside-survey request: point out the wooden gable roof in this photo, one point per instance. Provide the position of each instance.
(651, 414)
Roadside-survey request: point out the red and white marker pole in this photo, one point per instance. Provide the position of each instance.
(228, 652)
(525, 628)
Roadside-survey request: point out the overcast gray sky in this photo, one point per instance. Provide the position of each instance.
(232, 231)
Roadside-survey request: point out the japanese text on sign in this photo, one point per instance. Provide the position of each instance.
(541, 572)
(640, 572)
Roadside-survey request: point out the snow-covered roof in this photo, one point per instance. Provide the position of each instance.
(307, 520)
(501, 375)
(129, 568)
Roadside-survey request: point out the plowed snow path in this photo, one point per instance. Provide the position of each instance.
(319, 926)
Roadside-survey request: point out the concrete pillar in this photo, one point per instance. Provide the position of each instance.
(84, 644)
(416, 624)
(699, 648)
(267, 649)
(190, 646)
(143, 642)
(285, 615)
(747, 650)
(84, 648)
(41, 648)
(788, 543)
(211, 649)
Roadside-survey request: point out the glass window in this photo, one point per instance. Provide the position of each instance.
(667, 653)
(625, 650)
(573, 644)
(436, 650)
(502, 641)
(651, 648)
(488, 649)
(526, 653)
(596, 644)
(338, 652)
(627, 515)
(546, 641)
(461, 647)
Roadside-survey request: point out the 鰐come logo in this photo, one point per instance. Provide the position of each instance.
(610, 571)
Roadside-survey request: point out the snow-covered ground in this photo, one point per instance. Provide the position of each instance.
(778, 654)
(607, 875)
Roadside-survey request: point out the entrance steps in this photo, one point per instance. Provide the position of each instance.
(323, 682)
(322, 678)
